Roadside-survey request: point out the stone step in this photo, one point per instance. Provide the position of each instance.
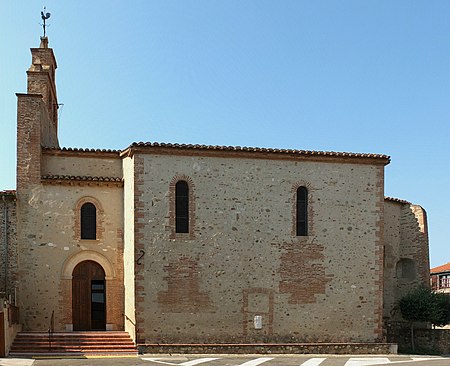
(74, 343)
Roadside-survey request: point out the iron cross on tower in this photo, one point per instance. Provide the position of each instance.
(44, 17)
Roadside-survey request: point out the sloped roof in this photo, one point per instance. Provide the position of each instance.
(442, 268)
(239, 149)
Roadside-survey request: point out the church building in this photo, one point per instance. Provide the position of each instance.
(178, 243)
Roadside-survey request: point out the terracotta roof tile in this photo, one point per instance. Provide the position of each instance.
(83, 178)
(8, 192)
(443, 268)
(398, 200)
(258, 149)
(75, 149)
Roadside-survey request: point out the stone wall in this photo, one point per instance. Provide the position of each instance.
(406, 253)
(429, 341)
(242, 259)
(51, 247)
(8, 244)
(291, 348)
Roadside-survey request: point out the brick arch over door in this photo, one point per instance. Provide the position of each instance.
(87, 255)
(114, 292)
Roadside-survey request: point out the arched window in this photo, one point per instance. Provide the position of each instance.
(302, 211)
(406, 269)
(181, 207)
(88, 221)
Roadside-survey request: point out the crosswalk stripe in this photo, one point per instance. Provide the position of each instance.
(313, 362)
(187, 363)
(196, 362)
(367, 361)
(257, 361)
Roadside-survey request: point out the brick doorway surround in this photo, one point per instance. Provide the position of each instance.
(114, 307)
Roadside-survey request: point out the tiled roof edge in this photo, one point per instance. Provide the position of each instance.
(398, 200)
(258, 149)
(84, 178)
(75, 149)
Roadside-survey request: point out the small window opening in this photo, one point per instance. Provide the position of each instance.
(302, 211)
(88, 221)
(181, 207)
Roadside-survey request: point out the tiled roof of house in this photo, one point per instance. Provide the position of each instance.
(258, 149)
(8, 192)
(398, 200)
(439, 269)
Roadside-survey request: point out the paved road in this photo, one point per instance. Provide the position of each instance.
(238, 360)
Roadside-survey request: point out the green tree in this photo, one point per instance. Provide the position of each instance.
(425, 305)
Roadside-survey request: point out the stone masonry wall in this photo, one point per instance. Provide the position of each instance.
(406, 240)
(51, 249)
(241, 258)
(8, 244)
(81, 164)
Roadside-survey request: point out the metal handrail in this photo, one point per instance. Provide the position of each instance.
(134, 325)
(51, 330)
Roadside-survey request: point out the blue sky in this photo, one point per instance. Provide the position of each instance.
(359, 76)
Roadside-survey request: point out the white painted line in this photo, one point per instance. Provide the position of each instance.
(313, 362)
(384, 361)
(367, 361)
(15, 362)
(257, 361)
(418, 359)
(196, 362)
(187, 363)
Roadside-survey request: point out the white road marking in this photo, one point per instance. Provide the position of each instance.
(367, 361)
(187, 363)
(382, 361)
(15, 362)
(313, 362)
(417, 359)
(257, 361)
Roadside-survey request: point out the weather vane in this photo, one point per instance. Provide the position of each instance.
(44, 16)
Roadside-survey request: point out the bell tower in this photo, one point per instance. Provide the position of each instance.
(41, 80)
(37, 116)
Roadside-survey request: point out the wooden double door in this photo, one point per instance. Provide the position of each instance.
(88, 297)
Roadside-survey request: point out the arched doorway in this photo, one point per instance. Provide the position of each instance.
(88, 296)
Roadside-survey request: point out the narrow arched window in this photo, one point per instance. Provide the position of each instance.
(181, 207)
(88, 221)
(406, 269)
(302, 211)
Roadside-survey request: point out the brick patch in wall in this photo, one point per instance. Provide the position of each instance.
(183, 288)
(302, 272)
(258, 302)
